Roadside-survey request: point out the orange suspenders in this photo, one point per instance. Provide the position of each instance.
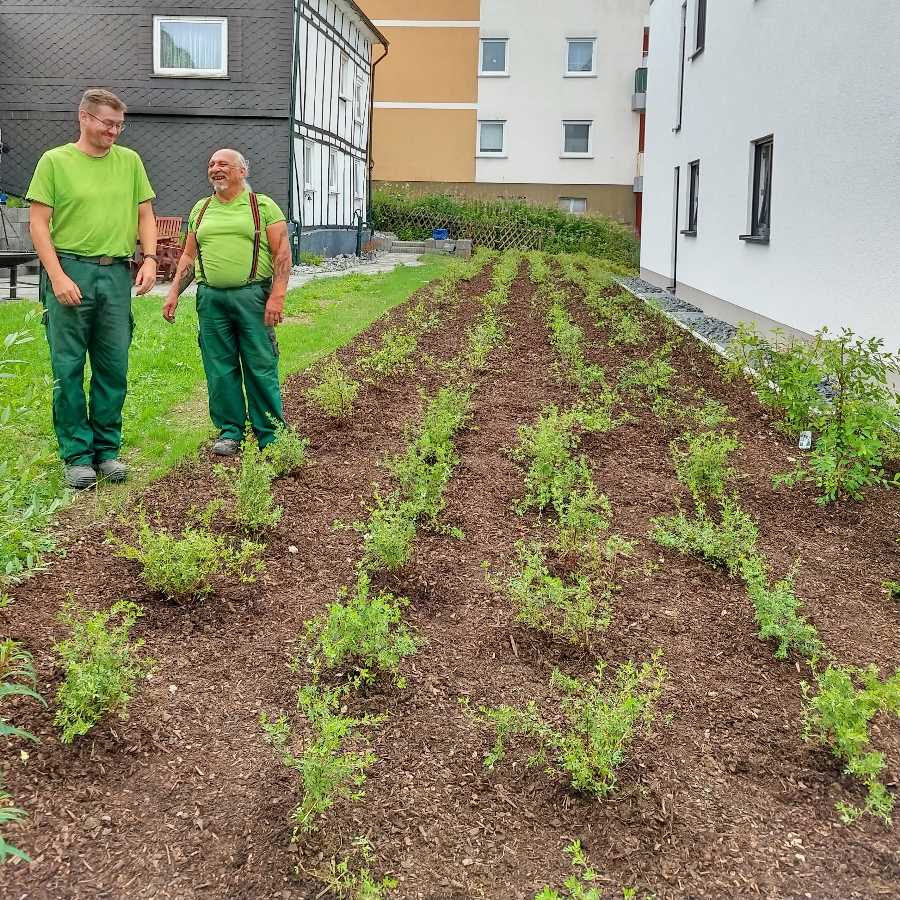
(257, 229)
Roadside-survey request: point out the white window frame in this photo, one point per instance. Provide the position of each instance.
(221, 72)
(359, 179)
(334, 168)
(309, 174)
(565, 154)
(491, 154)
(567, 72)
(494, 40)
(570, 201)
(345, 76)
(359, 100)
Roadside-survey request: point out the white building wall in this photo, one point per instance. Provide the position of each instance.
(536, 96)
(823, 79)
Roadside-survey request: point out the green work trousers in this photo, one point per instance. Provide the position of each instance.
(240, 354)
(99, 328)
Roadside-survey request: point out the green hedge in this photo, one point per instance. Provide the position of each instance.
(412, 218)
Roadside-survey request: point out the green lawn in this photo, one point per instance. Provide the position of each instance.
(165, 413)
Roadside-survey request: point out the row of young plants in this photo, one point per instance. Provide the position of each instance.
(102, 665)
(362, 635)
(335, 389)
(840, 703)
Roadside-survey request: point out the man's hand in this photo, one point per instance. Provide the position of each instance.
(66, 291)
(169, 308)
(146, 277)
(274, 311)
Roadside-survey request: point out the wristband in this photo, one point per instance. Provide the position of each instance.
(152, 256)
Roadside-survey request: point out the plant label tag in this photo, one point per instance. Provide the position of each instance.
(805, 440)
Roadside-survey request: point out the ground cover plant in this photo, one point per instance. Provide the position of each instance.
(102, 666)
(185, 798)
(252, 505)
(335, 390)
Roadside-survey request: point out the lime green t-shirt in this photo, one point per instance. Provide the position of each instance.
(94, 198)
(226, 239)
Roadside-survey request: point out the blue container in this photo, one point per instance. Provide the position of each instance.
(440, 234)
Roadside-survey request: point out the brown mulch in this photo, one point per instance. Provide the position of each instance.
(721, 799)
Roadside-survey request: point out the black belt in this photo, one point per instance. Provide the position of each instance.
(96, 260)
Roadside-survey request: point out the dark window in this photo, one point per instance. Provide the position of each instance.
(761, 213)
(693, 196)
(700, 34)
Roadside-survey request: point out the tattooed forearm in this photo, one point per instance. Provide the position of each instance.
(184, 278)
(281, 270)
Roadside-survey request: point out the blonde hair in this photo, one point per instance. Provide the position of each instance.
(95, 97)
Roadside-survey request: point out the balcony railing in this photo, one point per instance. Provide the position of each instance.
(640, 80)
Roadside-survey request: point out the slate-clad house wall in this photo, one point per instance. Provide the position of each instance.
(51, 52)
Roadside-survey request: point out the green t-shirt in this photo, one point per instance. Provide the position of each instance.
(226, 239)
(94, 198)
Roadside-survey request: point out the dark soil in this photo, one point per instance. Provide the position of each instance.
(721, 799)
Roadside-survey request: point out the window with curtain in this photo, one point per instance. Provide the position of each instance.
(576, 138)
(492, 138)
(190, 46)
(580, 59)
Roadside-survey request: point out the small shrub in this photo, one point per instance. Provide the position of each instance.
(388, 534)
(601, 724)
(335, 392)
(538, 269)
(392, 356)
(253, 507)
(310, 259)
(102, 666)
(701, 463)
(188, 566)
(651, 376)
(583, 514)
(837, 715)
(568, 341)
(350, 882)
(287, 452)
(17, 679)
(568, 608)
(481, 339)
(328, 771)
(364, 630)
(727, 542)
(577, 885)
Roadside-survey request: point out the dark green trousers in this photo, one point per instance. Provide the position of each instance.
(99, 328)
(240, 354)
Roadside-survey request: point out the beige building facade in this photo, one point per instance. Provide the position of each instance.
(511, 98)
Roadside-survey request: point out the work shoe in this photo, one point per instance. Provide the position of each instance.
(80, 477)
(226, 447)
(112, 470)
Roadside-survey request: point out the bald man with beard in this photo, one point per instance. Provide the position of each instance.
(237, 248)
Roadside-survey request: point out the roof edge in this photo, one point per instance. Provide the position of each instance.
(368, 22)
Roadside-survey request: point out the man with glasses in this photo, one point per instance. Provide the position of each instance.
(89, 201)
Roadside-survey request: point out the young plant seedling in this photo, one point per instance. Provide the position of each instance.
(335, 391)
(287, 452)
(253, 506)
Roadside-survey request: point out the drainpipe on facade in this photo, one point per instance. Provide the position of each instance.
(295, 216)
(371, 124)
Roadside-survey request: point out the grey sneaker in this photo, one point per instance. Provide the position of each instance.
(226, 447)
(80, 477)
(112, 470)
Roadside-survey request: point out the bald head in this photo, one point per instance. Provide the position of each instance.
(228, 171)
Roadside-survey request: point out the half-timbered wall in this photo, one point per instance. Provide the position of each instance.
(331, 101)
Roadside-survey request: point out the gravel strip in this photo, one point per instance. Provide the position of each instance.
(336, 264)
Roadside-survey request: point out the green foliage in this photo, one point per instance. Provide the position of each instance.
(364, 630)
(568, 341)
(253, 505)
(413, 217)
(701, 463)
(837, 715)
(577, 886)
(568, 607)
(392, 356)
(727, 542)
(601, 724)
(335, 391)
(17, 679)
(651, 376)
(328, 770)
(538, 267)
(102, 666)
(482, 337)
(855, 430)
(388, 534)
(287, 452)
(310, 259)
(188, 566)
(350, 882)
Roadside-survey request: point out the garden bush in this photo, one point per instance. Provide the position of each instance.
(334, 391)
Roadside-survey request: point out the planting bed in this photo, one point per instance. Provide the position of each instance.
(720, 797)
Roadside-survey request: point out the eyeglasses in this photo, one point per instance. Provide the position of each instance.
(118, 127)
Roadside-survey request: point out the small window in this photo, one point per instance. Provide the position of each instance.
(580, 56)
(494, 57)
(192, 46)
(693, 198)
(334, 172)
(700, 27)
(577, 138)
(761, 196)
(309, 157)
(359, 101)
(346, 77)
(577, 206)
(359, 186)
(492, 138)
